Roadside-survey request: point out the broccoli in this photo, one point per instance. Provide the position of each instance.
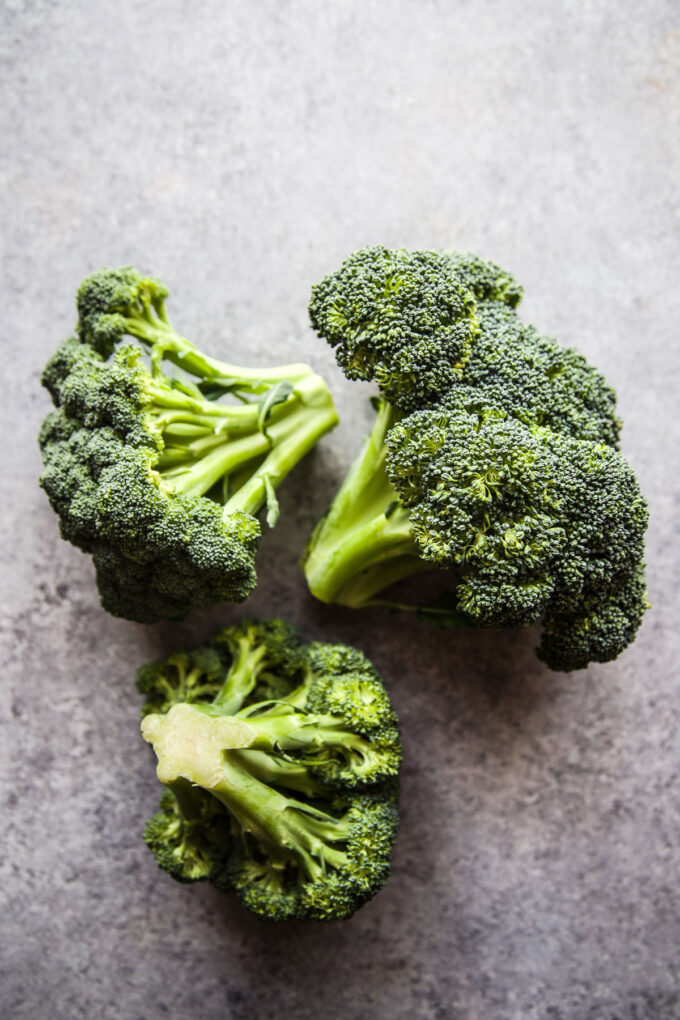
(158, 458)
(493, 457)
(280, 762)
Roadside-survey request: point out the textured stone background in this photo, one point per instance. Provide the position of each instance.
(239, 150)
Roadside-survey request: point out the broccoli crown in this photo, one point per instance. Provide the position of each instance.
(280, 761)
(156, 553)
(481, 499)
(158, 471)
(504, 472)
(597, 629)
(530, 521)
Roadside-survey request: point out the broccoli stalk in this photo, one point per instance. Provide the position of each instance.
(195, 455)
(364, 543)
(279, 761)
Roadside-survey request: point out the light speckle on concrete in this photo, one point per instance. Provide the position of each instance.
(238, 151)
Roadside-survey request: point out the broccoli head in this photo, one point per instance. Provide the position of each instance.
(159, 469)
(507, 477)
(280, 761)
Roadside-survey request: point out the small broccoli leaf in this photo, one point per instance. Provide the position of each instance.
(215, 387)
(272, 502)
(392, 507)
(277, 394)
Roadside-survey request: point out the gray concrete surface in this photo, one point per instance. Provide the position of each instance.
(239, 150)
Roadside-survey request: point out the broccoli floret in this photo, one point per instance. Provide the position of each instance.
(599, 629)
(335, 858)
(192, 840)
(265, 657)
(158, 471)
(401, 318)
(486, 280)
(183, 677)
(288, 800)
(508, 479)
(536, 380)
(528, 520)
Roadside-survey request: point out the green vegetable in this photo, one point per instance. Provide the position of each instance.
(158, 470)
(493, 457)
(280, 761)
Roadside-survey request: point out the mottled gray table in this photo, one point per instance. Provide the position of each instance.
(239, 150)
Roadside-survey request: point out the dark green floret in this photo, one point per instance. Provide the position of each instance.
(536, 380)
(190, 835)
(505, 475)
(381, 311)
(280, 761)
(158, 457)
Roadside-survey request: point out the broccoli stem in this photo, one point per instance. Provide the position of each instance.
(194, 746)
(151, 324)
(242, 676)
(198, 477)
(300, 731)
(249, 448)
(188, 804)
(292, 831)
(280, 772)
(291, 438)
(364, 542)
(200, 451)
(360, 590)
(172, 404)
